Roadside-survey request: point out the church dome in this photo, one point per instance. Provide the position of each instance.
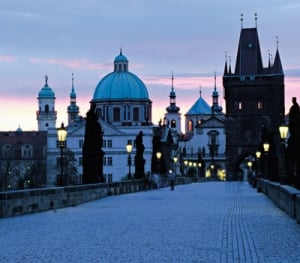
(120, 84)
(46, 91)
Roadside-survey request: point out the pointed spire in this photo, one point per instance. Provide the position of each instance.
(172, 108)
(46, 80)
(269, 62)
(225, 67)
(172, 80)
(200, 91)
(215, 81)
(121, 51)
(255, 18)
(229, 65)
(73, 94)
(72, 81)
(242, 19)
(277, 66)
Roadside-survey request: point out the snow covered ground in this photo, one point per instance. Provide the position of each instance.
(203, 222)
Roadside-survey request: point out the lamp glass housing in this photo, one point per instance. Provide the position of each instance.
(283, 131)
(62, 133)
(129, 147)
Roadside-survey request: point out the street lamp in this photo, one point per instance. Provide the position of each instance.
(199, 169)
(266, 147)
(158, 156)
(283, 131)
(185, 166)
(129, 149)
(175, 160)
(61, 139)
(249, 164)
(258, 155)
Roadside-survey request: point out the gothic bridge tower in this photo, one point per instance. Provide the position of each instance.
(254, 97)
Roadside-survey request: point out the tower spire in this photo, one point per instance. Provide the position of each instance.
(172, 80)
(242, 19)
(255, 18)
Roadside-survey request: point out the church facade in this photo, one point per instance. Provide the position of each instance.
(124, 110)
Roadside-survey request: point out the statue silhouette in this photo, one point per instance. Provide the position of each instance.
(92, 152)
(293, 149)
(139, 159)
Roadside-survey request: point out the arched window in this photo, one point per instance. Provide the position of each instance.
(190, 126)
(6, 151)
(173, 123)
(27, 151)
(46, 108)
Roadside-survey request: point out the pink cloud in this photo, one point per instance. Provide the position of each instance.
(184, 82)
(81, 64)
(5, 58)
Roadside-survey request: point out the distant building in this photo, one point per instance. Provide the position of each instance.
(22, 159)
(254, 97)
(202, 147)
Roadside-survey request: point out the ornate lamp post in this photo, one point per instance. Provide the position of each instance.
(258, 155)
(129, 150)
(199, 169)
(266, 147)
(61, 139)
(283, 131)
(175, 161)
(158, 156)
(185, 166)
(249, 164)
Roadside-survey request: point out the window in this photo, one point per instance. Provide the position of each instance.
(109, 143)
(136, 113)
(116, 112)
(126, 112)
(80, 161)
(173, 123)
(107, 161)
(7, 151)
(240, 105)
(46, 108)
(213, 142)
(80, 143)
(27, 151)
(190, 126)
(259, 105)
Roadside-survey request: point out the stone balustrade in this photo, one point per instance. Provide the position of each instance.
(18, 202)
(285, 197)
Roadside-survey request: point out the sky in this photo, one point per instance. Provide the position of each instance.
(187, 37)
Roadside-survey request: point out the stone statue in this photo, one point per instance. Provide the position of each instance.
(92, 152)
(139, 159)
(293, 149)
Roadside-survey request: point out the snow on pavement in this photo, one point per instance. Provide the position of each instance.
(201, 222)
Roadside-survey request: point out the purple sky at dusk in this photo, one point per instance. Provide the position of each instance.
(189, 37)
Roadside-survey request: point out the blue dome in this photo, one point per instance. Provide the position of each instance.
(120, 84)
(46, 92)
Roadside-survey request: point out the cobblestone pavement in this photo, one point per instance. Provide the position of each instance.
(203, 222)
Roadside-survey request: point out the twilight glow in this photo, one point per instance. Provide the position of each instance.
(188, 38)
